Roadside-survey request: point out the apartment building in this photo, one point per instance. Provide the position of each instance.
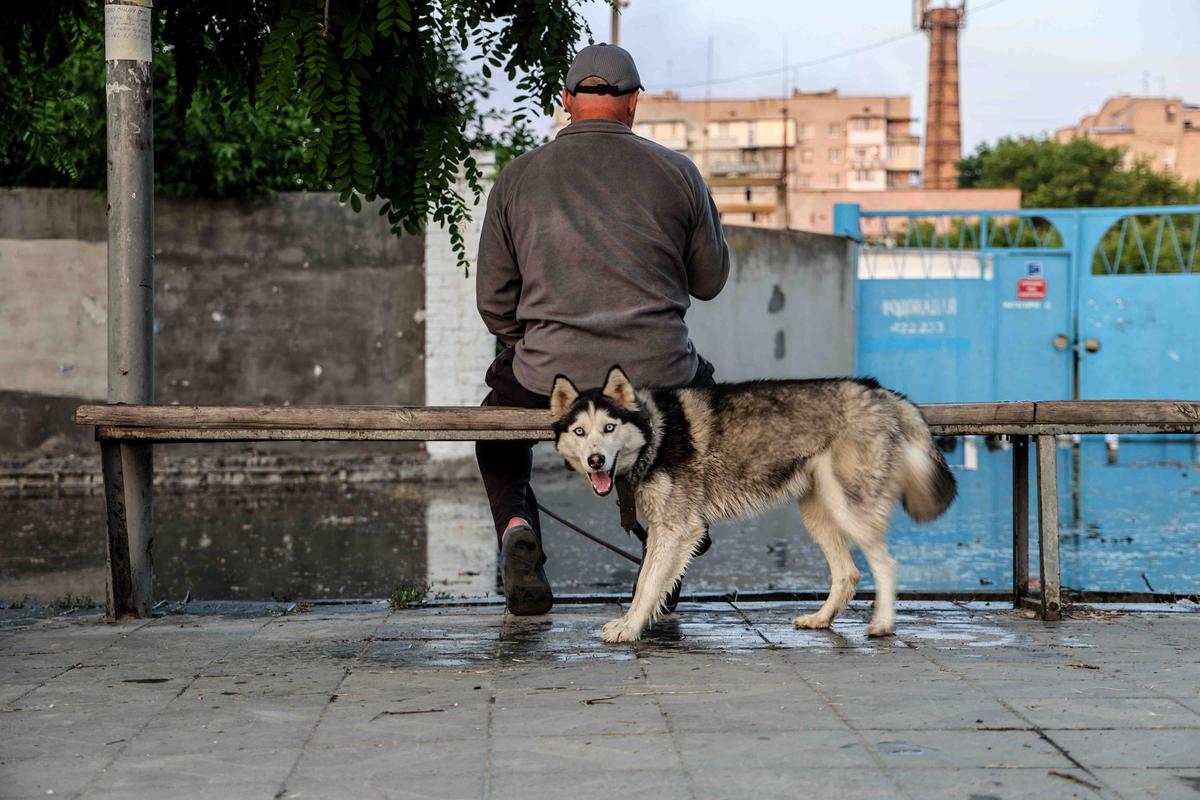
(1163, 130)
(754, 153)
(786, 161)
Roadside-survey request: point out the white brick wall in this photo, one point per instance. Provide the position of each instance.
(458, 348)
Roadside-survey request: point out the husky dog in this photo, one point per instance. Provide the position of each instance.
(847, 449)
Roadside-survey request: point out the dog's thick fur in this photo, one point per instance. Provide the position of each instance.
(847, 449)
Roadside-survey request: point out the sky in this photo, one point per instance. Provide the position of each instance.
(1026, 66)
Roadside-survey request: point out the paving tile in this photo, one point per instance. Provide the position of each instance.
(229, 723)
(68, 730)
(601, 784)
(53, 770)
(424, 719)
(1108, 712)
(732, 708)
(801, 778)
(1037, 783)
(1140, 749)
(624, 710)
(892, 706)
(1152, 784)
(450, 769)
(252, 772)
(772, 750)
(983, 749)
(565, 755)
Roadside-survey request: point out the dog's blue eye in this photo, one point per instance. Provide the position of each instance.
(609, 428)
(578, 431)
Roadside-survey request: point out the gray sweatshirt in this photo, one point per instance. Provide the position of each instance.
(590, 248)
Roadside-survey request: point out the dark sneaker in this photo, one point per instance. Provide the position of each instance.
(526, 590)
(672, 600)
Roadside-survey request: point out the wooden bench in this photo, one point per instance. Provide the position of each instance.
(126, 432)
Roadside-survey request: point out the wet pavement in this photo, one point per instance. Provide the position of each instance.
(720, 701)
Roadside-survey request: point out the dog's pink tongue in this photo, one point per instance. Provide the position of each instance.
(601, 481)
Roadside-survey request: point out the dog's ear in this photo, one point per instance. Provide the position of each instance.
(562, 396)
(618, 389)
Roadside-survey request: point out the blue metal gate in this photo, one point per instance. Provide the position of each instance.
(1046, 304)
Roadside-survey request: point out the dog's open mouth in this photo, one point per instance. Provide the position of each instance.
(602, 482)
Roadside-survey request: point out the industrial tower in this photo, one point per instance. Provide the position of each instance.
(943, 136)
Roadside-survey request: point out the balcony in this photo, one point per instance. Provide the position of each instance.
(743, 168)
(904, 153)
(868, 137)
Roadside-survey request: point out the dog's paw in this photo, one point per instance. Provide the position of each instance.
(619, 630)
(880, 627)
(812, 621)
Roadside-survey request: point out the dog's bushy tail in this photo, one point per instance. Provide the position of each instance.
(927, 487)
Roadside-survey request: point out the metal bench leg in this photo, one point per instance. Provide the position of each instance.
(129, 507)
(1020, 519)
(1047, 491)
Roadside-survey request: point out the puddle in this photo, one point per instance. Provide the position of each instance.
(1127, 527)
(900, 749)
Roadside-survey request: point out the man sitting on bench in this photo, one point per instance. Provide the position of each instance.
(591, 246)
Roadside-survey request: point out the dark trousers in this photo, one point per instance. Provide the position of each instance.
(506, 466)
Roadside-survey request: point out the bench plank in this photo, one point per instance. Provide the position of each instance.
(161, 423)
(978, 413)
(1121, 412)
(178, 435)
(431, 418)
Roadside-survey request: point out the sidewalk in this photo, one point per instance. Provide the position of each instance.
(721, 701)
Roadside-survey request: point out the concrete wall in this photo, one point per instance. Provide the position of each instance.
(813, 211)
(297, 300)
(787, 311)
(293, 299)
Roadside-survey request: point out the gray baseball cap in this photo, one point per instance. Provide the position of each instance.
(607, 61)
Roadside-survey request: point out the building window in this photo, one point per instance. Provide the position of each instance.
(860, 154)
(806, 155)
(835, 179)
(803, 180)
(807, 130)
(835, 155)
(834, 129)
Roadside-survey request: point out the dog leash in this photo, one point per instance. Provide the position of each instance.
(594, 538)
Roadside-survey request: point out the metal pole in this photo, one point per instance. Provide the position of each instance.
(129, 93)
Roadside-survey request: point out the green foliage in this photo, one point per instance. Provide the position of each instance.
(511, 143)
(370, 98)
(392, 108)
(959, 233)
(1159, 243)
(72, 602)
(408, 594)
(214, 145)
(1079, 173)
(1084, 173)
